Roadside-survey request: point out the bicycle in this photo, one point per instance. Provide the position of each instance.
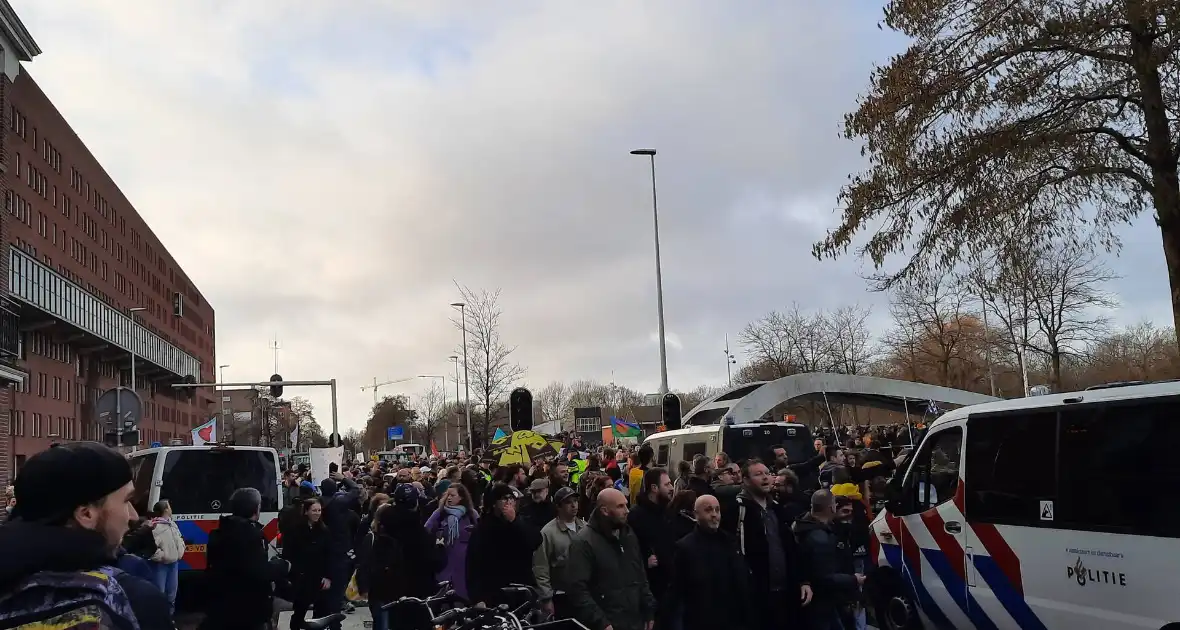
(503, 617)
(323, 622)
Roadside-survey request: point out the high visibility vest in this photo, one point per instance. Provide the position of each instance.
(579, 468)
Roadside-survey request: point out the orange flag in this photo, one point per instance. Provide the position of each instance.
(433, 448)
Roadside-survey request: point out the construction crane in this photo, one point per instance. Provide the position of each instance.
(377, 386)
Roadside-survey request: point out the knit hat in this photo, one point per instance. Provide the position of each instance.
(406, 494)
(848, 490)
(502, 491)
(328, 487)
(58, 480)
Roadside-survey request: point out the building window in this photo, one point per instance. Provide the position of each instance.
(589, 425)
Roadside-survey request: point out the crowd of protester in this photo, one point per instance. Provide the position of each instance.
(767, 543)
(603, 534)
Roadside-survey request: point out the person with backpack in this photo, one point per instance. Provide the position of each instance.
(165, 561)
(404, 557)
(73, 509)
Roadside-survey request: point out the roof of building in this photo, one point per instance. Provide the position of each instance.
(16, 33)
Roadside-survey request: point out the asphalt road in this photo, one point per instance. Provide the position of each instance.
(358, 620)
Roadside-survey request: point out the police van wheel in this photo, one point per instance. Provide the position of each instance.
(895, 611)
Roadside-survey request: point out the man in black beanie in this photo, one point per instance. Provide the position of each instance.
(73, 508)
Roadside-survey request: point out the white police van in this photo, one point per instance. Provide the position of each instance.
(198, 481)
(1055, 511)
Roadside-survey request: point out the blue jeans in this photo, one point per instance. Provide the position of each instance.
(165, 578)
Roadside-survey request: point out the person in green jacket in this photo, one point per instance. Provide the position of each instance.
(608, 581)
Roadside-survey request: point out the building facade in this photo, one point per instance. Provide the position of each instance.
(95, 294)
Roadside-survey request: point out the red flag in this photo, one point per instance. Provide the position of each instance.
(433, 448)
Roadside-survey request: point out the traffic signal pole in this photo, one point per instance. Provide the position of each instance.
(280, 384)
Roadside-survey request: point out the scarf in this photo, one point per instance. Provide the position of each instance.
(451, 524)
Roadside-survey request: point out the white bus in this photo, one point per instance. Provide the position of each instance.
(1055, 511)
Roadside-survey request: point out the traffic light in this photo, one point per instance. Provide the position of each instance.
(189, 392)
(671, 405)
(276, 390)
(520, 409)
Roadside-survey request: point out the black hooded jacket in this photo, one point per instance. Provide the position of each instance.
(500, 553)
(649, 521)
(27, 548)
(828, 562)
(342, 516)
(710, 587)
(404, 557)
(239, 574)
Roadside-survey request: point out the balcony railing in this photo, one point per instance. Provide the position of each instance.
(9, 332)
(43, 288)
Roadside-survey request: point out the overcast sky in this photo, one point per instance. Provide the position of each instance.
(324, 170)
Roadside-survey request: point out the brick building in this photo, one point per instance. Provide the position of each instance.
(85, 285)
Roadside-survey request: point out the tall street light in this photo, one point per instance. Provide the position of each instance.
(466, 387)
(133, 310)
(455, 359)
(655, 213)
(224, 412)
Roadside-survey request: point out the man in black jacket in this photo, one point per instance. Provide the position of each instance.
(829, 563)
(342, 516)
(239, 573)
(649, 521)
(73, 508)
(778, 586)
(710, 588)
(500, 551)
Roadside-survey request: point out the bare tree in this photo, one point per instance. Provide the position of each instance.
(614, 399)
(934, 328)
(554, 399)
(492, 370)
(430, 408)
(852, 345)
(696, 396)
(1068, 286)
(1004, 285)
(790, 342)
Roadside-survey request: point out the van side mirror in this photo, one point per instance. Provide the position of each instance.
(893, 496)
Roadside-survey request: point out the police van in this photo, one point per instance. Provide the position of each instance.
(198, 481)
(739, 441)
(1053, 511)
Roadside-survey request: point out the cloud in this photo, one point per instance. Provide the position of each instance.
(323, 172)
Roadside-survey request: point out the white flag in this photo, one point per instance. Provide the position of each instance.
(205, 433)
(295, 437)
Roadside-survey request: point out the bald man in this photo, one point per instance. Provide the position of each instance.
(710, 584)
(608, 583)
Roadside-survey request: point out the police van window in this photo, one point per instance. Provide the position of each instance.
(1011, 467)
(934, 474)
(1118, 464)
(201, 481)
(662, 455)
(692, 449)
(142, 470)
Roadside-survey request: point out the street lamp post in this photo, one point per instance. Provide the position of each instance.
(446, 440)
(455, 359)
(133, 310)
(729, 361)
(221, 394)
(651, 153)
(466, 386)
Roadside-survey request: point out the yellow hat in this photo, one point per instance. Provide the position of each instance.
(849, 490)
